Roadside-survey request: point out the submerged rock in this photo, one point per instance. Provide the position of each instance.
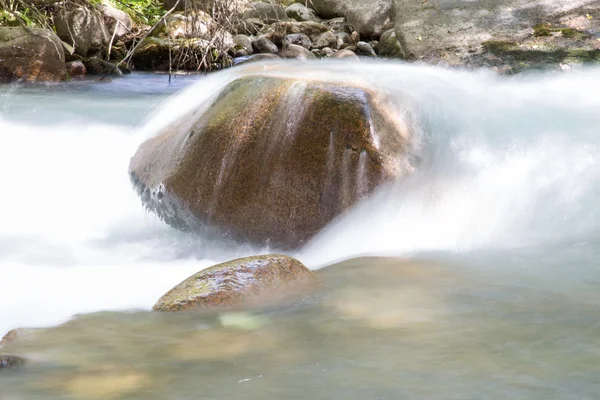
(32, 55)
(11, 361)
(244, 282)
(273, 159)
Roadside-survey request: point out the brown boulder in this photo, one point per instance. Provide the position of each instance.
(273, 159)
(32, 55)
(251, 281)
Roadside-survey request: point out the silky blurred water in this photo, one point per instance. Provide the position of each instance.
(500, 221)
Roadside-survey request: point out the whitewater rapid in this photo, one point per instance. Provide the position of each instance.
(506, 162)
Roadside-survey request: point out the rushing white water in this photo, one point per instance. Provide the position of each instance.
(505, 162)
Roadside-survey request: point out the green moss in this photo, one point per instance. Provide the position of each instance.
(542, 30)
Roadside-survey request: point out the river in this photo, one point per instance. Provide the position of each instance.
(476, 278)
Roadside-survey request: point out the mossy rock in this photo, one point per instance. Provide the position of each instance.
(32, 55)
(245, 282)
(273, 159)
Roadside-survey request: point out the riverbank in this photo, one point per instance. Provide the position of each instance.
(51, 41)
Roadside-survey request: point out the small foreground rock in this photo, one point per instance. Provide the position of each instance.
(251, 281)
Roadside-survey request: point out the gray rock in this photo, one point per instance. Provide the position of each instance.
(297, 38)
(375, 45)
(488, 32)
(345, 53)
(244, 42)
(339, 24)
(326, 39)
(264, 45)
(83, 28)
(118, 22)
(311, 29)
(76, 69)
(249, 26)
(266, 12)
(367, 17)
(365, 49)
(342, 38)
(32, 55)
(256, 58)
(297, 52)
(327, 51)
(300, 12)
(390, 46)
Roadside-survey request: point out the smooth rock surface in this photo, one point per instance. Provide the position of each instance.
(273, 160)
(264, 45)
(297, 52)
(83, 28)
(245, 282)
(31, 55)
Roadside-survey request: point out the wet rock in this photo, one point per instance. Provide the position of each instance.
(367, 17)
(256, 58)
(326, 39)
(118, 22)
(76, 69)
(300, 12)
(244, 42)
(32, 55)
(83, 28)
(345, 53)
(299, 39)
(297, 52)
(257, 171)
(98, 66)
(244, 282)
(11, 362)
(390, 46)
(365, 49)
(264, 45)
(267, 12)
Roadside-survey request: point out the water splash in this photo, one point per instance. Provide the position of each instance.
(505, 162)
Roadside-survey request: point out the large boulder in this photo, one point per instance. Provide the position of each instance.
(273, 159)
(367, 17)
(267, 12)
(83, 28)
(503, 33)
(300, 12)
(32, 55)
(245, 282)
(118, 22)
